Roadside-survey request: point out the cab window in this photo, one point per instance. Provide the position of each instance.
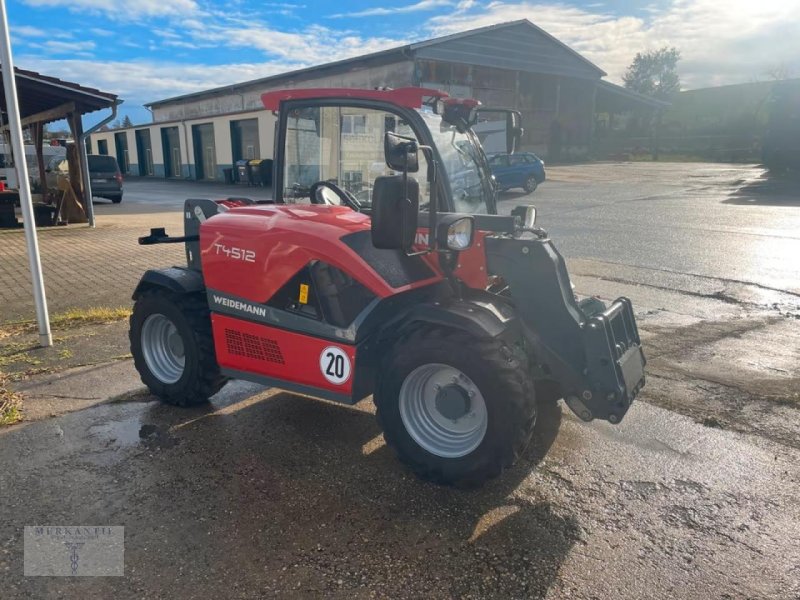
(343, 145)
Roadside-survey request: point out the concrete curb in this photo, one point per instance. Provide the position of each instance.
(78, 388)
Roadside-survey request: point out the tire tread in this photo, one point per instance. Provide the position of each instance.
(209, 380)
(499, 358)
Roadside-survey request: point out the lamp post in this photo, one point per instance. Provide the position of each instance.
(18, 146)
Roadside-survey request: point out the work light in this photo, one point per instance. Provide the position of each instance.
(455, 232)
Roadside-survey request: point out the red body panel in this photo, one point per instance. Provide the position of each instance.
(254, 250)
(276, 353)
(409, 97)
(472, 264)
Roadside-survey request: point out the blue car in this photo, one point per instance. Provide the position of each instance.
(521, 170)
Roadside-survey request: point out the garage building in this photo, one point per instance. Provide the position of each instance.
(512, 65)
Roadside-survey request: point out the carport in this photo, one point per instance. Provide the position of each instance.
(44, 99)
(625, 119)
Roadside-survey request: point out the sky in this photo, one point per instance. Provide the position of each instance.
(147, 50)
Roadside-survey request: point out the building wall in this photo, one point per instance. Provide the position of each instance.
(249, 98)
(222, 142)
(558, 111)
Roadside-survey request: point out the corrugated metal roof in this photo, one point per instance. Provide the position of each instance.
(520, 46)
(38, 93)
(618, 91)
(512, 45)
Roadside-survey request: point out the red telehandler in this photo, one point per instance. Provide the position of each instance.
(382, 268)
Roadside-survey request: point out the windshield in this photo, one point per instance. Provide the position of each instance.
(464, 165)
(102, 164)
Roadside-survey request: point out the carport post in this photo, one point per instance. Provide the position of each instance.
(82, 136)
(18, 146)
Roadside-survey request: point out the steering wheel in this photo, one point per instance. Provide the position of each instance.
(327, 192)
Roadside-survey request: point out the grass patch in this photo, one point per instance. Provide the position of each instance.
(713, 422)
(74, 317)
(11, 356)
(792, 400)
(10, 404)
(84, 316)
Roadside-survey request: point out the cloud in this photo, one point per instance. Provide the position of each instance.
(122, 9)
(730, 44)
(73, 48)
(422, 5)
(737, 44)
(27, 31)
(143, 81)
(314, 45)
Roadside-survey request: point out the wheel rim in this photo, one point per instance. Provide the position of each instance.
(530, 185)
(163, 348)
(443, 410)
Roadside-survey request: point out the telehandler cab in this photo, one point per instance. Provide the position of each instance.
(382, 267)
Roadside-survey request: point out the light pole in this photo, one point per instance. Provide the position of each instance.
(18, 146)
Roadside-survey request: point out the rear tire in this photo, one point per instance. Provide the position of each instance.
(530, 184)
(173, 347)
(116, 199)
(475, 405)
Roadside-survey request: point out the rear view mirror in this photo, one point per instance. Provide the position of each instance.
(395, 207)
(526, 215)
(513, 119)
(513, 131)
(400, 152)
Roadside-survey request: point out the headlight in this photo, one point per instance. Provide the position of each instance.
(455, 232)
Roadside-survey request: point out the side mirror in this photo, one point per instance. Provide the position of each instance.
(395, 208)
(526, 215)
(514, 130)
(401, 152)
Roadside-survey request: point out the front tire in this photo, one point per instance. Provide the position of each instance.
(173, 347)
(530, 184)
(455, 409)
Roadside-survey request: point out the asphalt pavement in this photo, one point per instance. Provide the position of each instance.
(266, 494)
(730, 222)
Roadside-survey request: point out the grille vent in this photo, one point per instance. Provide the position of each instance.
(253, 346)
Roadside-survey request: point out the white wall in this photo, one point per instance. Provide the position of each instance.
(222, 139)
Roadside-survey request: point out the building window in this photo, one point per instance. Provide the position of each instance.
(354, 124)
(102, 146)
(353, 181)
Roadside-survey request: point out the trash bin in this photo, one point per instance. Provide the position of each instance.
(228, 175)
(265, 172)
(253, 177)
(44, 215)
(241, 171)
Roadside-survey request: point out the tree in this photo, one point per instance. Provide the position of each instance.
(654, 73)
(126, 122)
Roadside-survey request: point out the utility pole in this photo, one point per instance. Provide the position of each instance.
(18, 147)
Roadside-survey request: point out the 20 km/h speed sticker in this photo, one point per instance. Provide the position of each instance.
(335, 365)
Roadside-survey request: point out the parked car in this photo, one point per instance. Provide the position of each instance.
(521, 170)
(104, 174)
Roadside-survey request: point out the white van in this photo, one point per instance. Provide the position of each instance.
(8, 174)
